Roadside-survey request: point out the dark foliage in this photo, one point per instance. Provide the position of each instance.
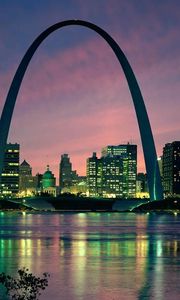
(162, 205)
(25, 287)
(76, 203)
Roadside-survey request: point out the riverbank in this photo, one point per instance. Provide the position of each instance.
(162, 205)
(77, 204)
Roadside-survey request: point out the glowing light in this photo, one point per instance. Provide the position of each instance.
(159, 248)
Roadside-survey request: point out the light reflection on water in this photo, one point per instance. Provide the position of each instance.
(95, 256)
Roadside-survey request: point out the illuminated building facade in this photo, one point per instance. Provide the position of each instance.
(114, 174)
(94, 174)
(171, 168)
(9, 181)
(25, 176)
(128, 155)
(49, 182)
(142, 186)
(79, 187)
(48, 179)
(28, 184)
(25, 169)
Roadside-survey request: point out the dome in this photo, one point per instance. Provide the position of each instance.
(48, 179)
(48, 174)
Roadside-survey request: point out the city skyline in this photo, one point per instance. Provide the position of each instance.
(89, 95)
(63, 79)
(114, 174)
(48, 163)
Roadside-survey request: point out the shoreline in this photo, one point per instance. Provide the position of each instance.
(79, 204)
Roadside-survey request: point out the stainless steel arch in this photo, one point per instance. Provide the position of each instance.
(152, 168)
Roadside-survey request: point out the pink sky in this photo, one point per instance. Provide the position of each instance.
(74, 99)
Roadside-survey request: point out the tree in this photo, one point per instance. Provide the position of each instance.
(24, 287)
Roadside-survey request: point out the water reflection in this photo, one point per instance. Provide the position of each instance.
(95, 256)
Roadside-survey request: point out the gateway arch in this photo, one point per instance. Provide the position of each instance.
(152, 168)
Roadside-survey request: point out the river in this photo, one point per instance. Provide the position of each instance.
(95, 256)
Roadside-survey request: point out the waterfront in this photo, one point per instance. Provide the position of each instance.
(95, 255)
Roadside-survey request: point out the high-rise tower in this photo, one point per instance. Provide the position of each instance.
(171, 168)
(66, 175)
(128, 155)
(25, 169)
(25, 176)
(94, 175)
(114, 174)
(9, 181)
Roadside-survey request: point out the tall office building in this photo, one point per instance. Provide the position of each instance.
(128, 155)
(67, 176)
(25, 169)
(65, 170)
(142, 190)
(9, 181)
(114, 174)
(27, 183)
(171, 168)
(25, 176)
(93, 175)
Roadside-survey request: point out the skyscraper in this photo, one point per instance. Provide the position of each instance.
(141, 183)
(128, 155)
(9, 181)
(25, 169)
(65, 170)
(28, 184)
(114, 174)
(171, 168)
(67, 176)
(25, 176)
(94, 174)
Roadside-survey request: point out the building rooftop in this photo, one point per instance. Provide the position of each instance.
(25, 163)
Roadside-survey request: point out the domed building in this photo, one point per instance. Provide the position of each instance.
(49, 182)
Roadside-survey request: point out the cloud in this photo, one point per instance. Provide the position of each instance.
(76, 100)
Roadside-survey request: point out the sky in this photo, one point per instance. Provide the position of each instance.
(74, 96)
